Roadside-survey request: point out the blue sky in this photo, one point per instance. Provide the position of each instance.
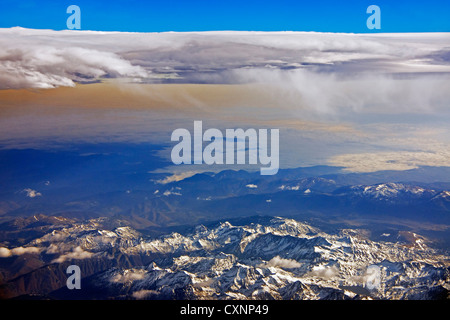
(203, 15)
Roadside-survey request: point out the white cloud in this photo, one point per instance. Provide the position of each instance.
(284, 187)
(37, 65)
(313, 95)
(176, 177)
(370, 278)
(5, 252)
(32, 193)
(282, 263)
(129, 276)
(324, 272)
(22, 250)
(251, 186)
(143, 294)
(78, 254)
(169, 193)
(401, 160)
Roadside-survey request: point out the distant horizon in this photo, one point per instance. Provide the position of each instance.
(232, 31)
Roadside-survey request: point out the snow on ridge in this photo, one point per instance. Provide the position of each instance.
(280, 257)
(391, 190)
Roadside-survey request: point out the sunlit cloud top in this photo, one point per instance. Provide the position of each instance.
(46, 59)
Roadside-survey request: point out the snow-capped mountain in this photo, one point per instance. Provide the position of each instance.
(393, 191)
(261, 258)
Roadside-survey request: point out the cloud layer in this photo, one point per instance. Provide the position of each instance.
(312, 75)
(363, 101)
(53, 63)
(46, 59)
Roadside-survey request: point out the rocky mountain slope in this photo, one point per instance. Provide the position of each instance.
(254, 258)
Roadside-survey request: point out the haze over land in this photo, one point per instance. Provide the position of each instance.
(366, 102)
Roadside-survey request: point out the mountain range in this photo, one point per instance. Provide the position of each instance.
(248, 258)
